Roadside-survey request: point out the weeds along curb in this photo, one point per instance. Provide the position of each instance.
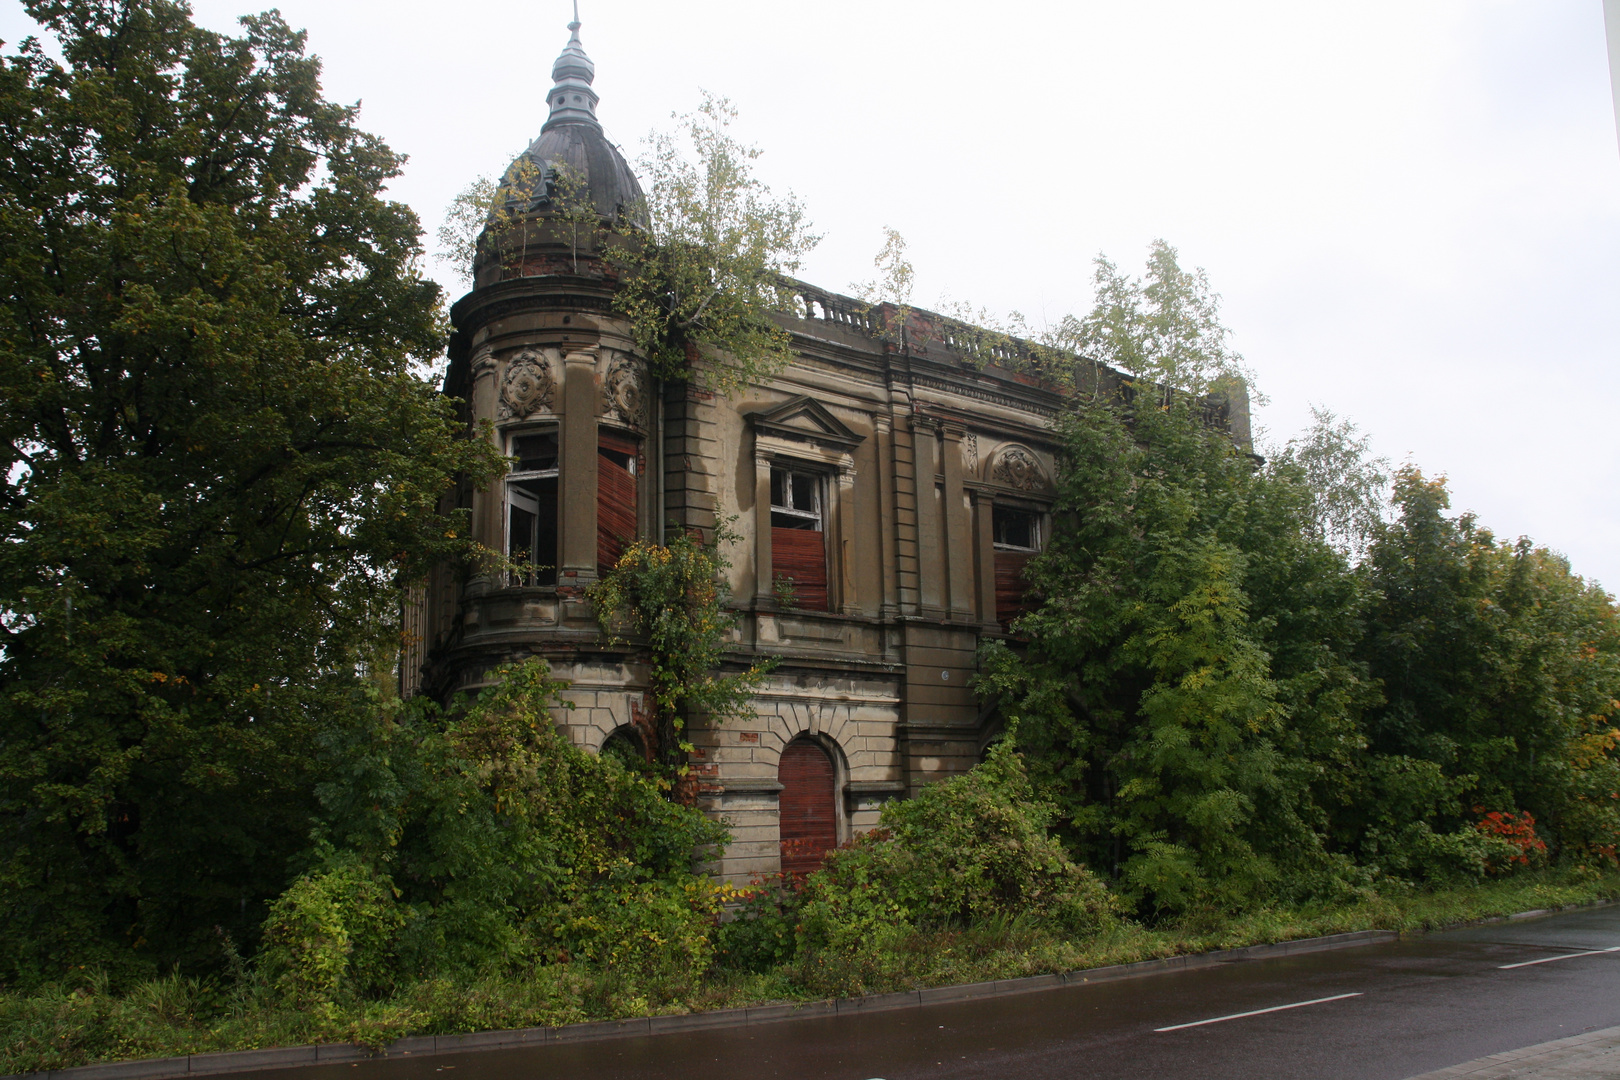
(288, 1057)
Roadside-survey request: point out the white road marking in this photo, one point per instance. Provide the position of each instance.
(1258, 1012)
(1551, 959)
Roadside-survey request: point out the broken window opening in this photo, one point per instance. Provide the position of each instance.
(798, 544)
(531, 508)
(1015, 530)
(1017, 539)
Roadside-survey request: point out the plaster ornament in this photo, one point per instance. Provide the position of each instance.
(970, 454)
(622, 393)
(528, 387)
(1017, 468)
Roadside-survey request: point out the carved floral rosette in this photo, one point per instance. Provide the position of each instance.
(624, 395)
(1017, 467)
(529, 386)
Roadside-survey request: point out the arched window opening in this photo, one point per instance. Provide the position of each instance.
(808, 807)
(626, 746)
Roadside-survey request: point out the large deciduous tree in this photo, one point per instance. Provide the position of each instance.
(219, 464)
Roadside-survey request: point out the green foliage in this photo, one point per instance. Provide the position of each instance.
(763, 932)
(328, 932)
(966, 851)
(1501, 670)
(1183, 698)
(484, 840)
(671, 600)
(1349, 488)
(1163, 330)
(218, 465)
(703, 280)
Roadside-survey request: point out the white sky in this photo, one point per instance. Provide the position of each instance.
(1412, 209)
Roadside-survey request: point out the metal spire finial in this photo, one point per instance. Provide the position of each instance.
(572, 99)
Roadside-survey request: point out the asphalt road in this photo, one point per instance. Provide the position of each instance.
(1378, 1012)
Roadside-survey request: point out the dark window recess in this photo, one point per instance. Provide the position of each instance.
(798, 546)
(1016, 529)
(627, 745)
(808, 812)
(531, 508)
(535, 453)
(615, 498)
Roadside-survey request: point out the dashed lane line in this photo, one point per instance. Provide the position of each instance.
(1554, 959)
(1258, 1012)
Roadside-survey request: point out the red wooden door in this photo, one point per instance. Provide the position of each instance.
(801, 554)
(1012, 591)
(808, 818)
(615, 499)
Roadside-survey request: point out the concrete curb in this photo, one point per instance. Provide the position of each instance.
(289, 1057)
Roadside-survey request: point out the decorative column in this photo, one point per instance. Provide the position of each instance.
(931, 571)
(764, 586)
(487, 503)
(846, 537)
(984, 508)
(887, 525)
(577, 549)
(958, 548)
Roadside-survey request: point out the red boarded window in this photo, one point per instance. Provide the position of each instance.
(1017, 535)
(809, 822)
(616, 469)
(798, 544)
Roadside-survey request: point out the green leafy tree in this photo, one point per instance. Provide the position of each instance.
(1501, 670)
(671, 600)
(479, 839)
(1148, 700)
(218, 467)
(703, 287)
(1349, 487)
(699, 268)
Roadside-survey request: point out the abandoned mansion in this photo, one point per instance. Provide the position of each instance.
(901, 488)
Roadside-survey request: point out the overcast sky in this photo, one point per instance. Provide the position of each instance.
(1412, 209)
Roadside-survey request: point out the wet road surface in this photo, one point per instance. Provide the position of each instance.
(1378, 1012)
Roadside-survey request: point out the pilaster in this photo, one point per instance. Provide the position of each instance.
(577, 552)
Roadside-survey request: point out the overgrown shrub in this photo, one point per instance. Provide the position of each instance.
(763, 930)
(964, 851)
(482, 840)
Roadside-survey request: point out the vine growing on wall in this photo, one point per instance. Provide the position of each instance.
(671, 600)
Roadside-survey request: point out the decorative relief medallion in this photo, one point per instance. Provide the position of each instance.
(528, 387)
(970, 455)
(622, 393)
(1017, 468)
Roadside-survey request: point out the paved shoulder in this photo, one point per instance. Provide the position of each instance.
(1592, 1056)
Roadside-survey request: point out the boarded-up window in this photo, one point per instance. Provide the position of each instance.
(809, 821)
(615, 498)
(798, 544)
(1017, 535)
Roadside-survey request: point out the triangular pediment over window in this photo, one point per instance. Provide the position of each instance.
(806, 419)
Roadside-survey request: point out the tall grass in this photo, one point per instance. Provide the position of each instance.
(82, 1019)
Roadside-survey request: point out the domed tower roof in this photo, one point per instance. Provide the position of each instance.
(572, 146)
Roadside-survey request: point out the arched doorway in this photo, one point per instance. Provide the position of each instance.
(809, 817)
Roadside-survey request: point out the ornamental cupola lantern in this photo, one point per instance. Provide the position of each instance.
(572, 158)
